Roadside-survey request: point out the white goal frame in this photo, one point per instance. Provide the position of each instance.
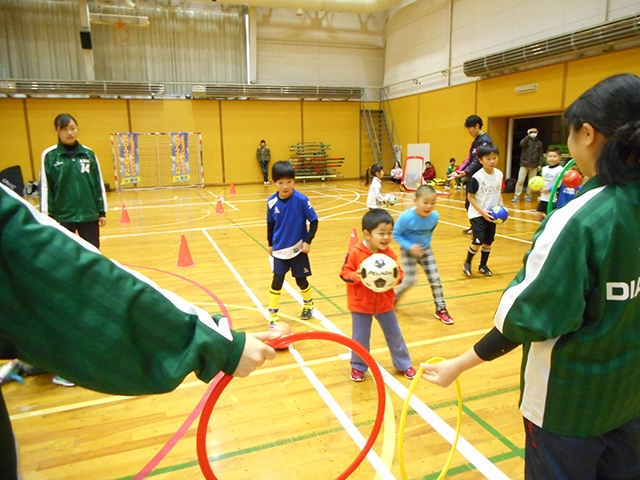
(143, 160)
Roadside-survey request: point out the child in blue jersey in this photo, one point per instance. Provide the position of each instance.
(413, 231)
(575, 305)
(483, 192)
(288, 212)
(567, 193)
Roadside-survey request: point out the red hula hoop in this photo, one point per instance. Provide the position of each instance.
(201, 438)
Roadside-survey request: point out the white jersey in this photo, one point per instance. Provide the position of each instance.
(486, 188)
(550, 175)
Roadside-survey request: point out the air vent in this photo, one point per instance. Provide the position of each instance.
(70, 87)
(624, 32)
(275, 92)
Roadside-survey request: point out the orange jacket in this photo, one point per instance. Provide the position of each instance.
(360, 299)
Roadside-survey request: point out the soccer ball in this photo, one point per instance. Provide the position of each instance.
(499, 214)
(379, 272)
(572, 179)
(536, 183)
(390, 199)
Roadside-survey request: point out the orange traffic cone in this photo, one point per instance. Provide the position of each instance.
(124, 216)
(232, 188)
(184, 256)
(219, 207)
(353, 239)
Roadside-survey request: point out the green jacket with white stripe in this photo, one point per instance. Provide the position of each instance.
(70, 310)
(575, 306)
(71, 186)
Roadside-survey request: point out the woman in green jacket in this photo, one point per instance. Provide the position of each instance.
(71, 185)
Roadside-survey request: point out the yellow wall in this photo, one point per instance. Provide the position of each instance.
(406, 119)
(246, 123)
(441, 121)
(13, 136)
(583, 74)
(337, 124)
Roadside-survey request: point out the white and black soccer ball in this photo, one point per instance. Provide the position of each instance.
(379, 272)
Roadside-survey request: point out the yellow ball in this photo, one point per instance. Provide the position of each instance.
(536, 183)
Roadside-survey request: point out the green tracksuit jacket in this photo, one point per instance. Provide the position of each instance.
(71, 187)
(576, 307)
(68, 309)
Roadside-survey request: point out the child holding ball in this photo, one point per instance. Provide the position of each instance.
(375, 199)
(364, 304)
(483, 192)
(549, 173)
(413, 232)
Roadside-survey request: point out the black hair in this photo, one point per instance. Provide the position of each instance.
(612, 107)
(263, 141)
(63, 120)
(452, 159)
(375, 217)
(472, 121)
(557, 150)
(371, 172)
(424, 190)
(282, 169)
(486, 149)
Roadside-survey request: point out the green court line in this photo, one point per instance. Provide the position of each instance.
(514, 450)
(320, 294)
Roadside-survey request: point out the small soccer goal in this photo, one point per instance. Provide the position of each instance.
(157, 160)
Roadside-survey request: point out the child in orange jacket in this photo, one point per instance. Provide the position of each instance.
(364, 304)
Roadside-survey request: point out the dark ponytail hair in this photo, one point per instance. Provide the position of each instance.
(63, 120)
(612, 107)
(371, 171)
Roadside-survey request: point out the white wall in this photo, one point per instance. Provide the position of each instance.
(319, 48)
(418, 33)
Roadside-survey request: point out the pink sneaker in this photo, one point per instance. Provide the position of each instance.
(409, 373)
(357, 375)
(443, 316)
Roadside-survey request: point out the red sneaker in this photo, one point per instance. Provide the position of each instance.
(443, 316)
(357, 375)
(409, 373)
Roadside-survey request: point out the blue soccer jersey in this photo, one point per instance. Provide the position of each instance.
(289, 218)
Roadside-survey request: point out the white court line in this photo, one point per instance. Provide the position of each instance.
(482, 463)
(223, 200)
(351, 429)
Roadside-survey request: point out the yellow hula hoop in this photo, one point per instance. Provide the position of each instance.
(403, 417)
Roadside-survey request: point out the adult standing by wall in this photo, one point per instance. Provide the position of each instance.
(532, 150)
(72, 189)
(71, 185)
(263, 154)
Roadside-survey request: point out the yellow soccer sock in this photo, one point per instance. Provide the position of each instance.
(307, 296)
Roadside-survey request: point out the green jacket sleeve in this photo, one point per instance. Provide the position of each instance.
(72, 311)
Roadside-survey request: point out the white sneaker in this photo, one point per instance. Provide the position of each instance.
(62, 382)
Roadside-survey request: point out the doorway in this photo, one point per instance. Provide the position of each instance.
(552, 131)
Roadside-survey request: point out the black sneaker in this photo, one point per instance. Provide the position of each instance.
(483, 269)
(468, 231)
(466, 269)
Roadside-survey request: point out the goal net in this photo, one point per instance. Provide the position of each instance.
(157, 160)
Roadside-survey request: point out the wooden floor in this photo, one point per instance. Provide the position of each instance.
(280, 422)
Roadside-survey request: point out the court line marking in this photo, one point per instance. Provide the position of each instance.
(482, 463)
(325, 395)
(197, 383)
(223, 200)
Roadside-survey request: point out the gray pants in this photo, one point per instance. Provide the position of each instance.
(361, 333)
(430, 267)
(523, 174)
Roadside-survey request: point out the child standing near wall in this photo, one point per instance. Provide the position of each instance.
(288, 212)
(375, 199)
(413, 232)
(483, 192)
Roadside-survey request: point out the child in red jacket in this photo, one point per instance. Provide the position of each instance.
(364, 304)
